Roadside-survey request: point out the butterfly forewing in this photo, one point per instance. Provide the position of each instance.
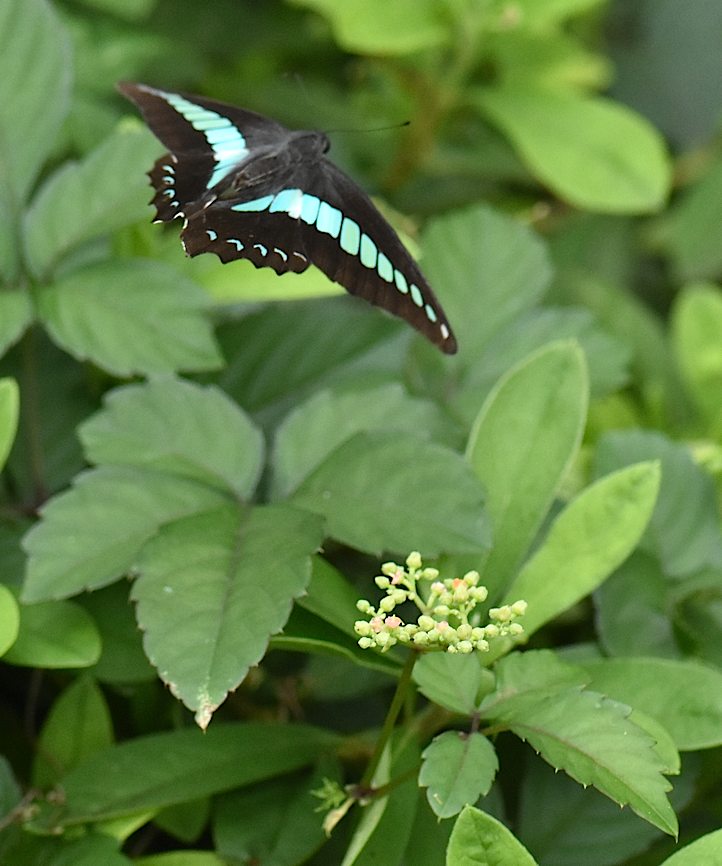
(247, 187)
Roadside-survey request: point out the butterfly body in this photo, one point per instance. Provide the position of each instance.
(247, 187)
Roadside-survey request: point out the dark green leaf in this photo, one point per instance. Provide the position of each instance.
(77, 726)
(594, 153)
(177, 427)
(684, 531)
(457, 769)
(34, 89)
(522, 445)
(159, 770)
(479, 839)
(684, 696)
(222, 582)
(55, 634)
(91, 535)
(398, 493)
(309, 434)
(84, 200)
(129, 317)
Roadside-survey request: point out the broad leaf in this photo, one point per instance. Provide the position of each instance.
(457, 682)
(697, 335)
(479, 839)
(310, 433)
(9, 619)
(521, 446)
(34, 92)
(130, 317)
(9, 410)
(84, 200)
(377, 27)
(486, 268)
(594, 153)
(592, 739)
(92, 534)
(55, 634)
(457, 769)
(705, 851)
(77, 726)
(684, 532)
(398, 493)
(683, 696)
(16, 314)
(221, 582)
(177, 427)
(159, 770)
(591, 537)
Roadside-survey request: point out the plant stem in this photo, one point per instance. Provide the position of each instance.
(393, 713)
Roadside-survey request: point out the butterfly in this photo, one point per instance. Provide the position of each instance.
(247, 187)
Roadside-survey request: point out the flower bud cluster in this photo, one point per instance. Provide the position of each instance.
(445, 608)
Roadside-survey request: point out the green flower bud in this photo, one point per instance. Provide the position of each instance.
(413, 560)
(365, 642)
(364, 606)
(451, 649)
(382, 582)
(389, 569)
(441, 610)
(464, 646)
(479, 593)
(500, 614)
(478, 633)
(399, 596)
(430, 573)
(464, 631)
(421, 638)
(516, 628)
(471, 578)
(362, 627)
(491, 630)
(387, 604)
(426, 622)
(482, 646)
(519, 607)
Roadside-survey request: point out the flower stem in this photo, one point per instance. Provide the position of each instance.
(396, 704)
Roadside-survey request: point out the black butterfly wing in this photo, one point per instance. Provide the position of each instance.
(206, 140)
(314, 213)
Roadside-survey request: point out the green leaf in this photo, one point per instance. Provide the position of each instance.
(181, 858)
(87, 199)
(122, 661)
(480, 840)
(159, 770)
(685, 531)
(486, 268)
(398, 493)
(130, 317)
(177, 427)
(185, 821)
(89, 851)
(697, 340)
(9, 619)
(77, 726)
(9, 410)
(295, 350)
(565, 824)
(34, 92)
(330, 596)
(521, 446)
(594, 153)
(55, 634)
(310, 433)
(632, 615)
(130, 10)
(705, 851)
(16, 314)
(591, 537)
(549, 14)
(457, 769)
(685, 697)
(692, 230)
(275, 822)
(222, 582)
(457, 682)
(9, 247)
(592, 739)
(376, 27)
(385, 825)
(91, 535)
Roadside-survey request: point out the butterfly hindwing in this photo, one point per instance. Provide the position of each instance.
(247, 187)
